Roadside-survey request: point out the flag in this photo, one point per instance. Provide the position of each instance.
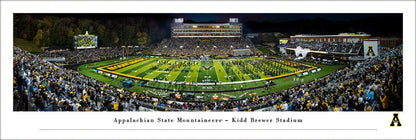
(215, 97)
(178, 95)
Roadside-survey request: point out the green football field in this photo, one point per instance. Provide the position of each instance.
(237, 78)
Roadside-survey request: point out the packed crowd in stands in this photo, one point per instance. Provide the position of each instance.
(372, 85)
(376, 84)
(331, 47)
(203, 46)
(89, 55)
(43, 86)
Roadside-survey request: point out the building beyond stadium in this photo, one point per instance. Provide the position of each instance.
(198, 30)
(341, 37)
(340, 46)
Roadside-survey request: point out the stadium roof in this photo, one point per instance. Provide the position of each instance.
(338, 35)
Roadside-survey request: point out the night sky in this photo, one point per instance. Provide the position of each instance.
(276, 17)
(376, 24)
(243, 17)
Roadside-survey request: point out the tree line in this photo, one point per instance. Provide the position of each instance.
(59, 30)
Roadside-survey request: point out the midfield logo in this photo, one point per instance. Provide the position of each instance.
(207, 67)
(395, 120)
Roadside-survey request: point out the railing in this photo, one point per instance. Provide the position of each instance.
(54, 59)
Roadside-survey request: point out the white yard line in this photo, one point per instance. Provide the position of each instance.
(158, 69)
(190, 72)
(236, 72)
(178, 73)
(218, 79)
(222, 70)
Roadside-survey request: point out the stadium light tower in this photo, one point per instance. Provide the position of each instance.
(123, 51)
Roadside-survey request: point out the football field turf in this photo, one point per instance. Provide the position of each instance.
(238, 76)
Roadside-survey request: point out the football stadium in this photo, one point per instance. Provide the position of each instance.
(174, 63)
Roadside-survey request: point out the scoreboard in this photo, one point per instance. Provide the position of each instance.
(85, 41)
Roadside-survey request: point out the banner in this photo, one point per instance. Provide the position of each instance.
(283, 41)
(282, 50)
(371, 48)
(114, 76)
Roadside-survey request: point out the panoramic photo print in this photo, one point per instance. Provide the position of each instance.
(190, 62)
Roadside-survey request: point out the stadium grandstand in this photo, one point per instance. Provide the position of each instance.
(339, 47)
(365, 86)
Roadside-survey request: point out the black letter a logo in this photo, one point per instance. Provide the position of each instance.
(370, 51)
(395, 120)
